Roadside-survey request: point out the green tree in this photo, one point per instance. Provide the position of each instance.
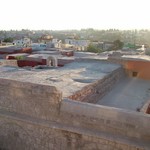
(93, 48)
(8, 40)
(117, 45)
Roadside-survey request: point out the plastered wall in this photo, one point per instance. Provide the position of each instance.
(139, 66)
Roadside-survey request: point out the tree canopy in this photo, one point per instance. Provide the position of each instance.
(8, 39)
(93, 48)
(117, 45)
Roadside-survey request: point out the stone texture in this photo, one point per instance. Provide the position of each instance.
(95, 91)
(9, 63)
(18, 135)
(34, 116)
(29, 99)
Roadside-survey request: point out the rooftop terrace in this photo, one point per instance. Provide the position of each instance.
(69, 79)
(75, 79)
(129, 93)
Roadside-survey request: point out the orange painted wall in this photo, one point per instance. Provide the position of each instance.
(142, 67)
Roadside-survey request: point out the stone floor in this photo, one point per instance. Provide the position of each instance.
(130, 93)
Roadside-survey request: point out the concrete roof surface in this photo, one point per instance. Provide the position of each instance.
(69, 79)
(130, 94)
(137, 57)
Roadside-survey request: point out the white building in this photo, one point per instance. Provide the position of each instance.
(50, 42)
(78, 44)
(55, 43)
(25, 42)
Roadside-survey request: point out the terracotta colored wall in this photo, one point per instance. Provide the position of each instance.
(142, 67)
(23, 63)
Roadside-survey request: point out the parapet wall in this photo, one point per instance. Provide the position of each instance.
(40, 101)
(131, 66)
(95, 91)
(113, 121)
(34, 116)
(141, 68)
(9, 63)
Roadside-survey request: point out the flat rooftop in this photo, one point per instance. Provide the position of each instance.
(9, 48)
(68, 79)
(129, 93)
(136, 57)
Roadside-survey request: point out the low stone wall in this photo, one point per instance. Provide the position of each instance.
(20, 134)
(95, 91)
(35, 100)
(117, 60)
(113, 121)
(146, 107)
(9, 63)
(34, 116)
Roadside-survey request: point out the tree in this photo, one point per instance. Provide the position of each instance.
(93, 48)
(117, 45)
(8, 40)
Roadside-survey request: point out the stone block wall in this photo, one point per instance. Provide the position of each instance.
(112, 121)
(18, 133)
(22, 135)
(146, 107)
(34, 116)
(9, 63)
(35, 100)
(95, 91)
(117, 60)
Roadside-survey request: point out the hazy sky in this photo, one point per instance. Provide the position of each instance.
(74, 14)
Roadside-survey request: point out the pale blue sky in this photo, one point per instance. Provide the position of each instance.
(74, 14)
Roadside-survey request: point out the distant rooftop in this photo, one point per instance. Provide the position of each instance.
(137, 57)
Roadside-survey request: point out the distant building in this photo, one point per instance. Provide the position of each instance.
(25, 42)
(103, 45)
(38, 46)
(57, 43)
(50, 42)
(77, 44)
(45, 39)
(107, 45)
